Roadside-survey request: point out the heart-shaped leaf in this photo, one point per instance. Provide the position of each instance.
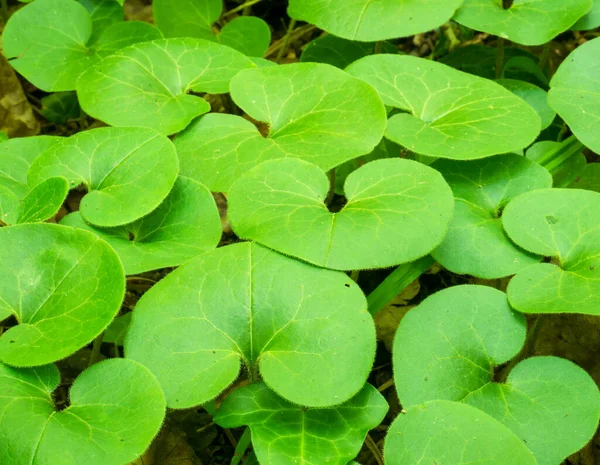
(591, 20)
(296, 435)
(306, 329)
(186, 224)
(313, 111)
(447, 113)
(190, 18)
(149, 84)
(527, 22)
(20, 202)
(366, 20)
(64, 286)
(563, 224)
(128, 171)
(52, 42)
(447, 348)
(116, 408)
(476, 243)
(451, 433)
(575, 93)
(397, 211)
(340, 52)
(534, 96)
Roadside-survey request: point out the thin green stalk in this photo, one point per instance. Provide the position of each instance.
(96, 346)
(241, 447)
(354, 275)
(554, 158)
(378, 47)
(286, 40)
(5, 13)
(331, 192)
(499, 57)
(545, 56)
(398, 280)
(241, 7)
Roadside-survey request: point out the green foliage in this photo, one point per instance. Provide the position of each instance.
(116, 408)
(300, 435)
(460, 335)
(63, 286)
(574, 93)
(142, 85)
(127, 171)
(527, 22)
(534, 96)
(447, 113)
(340, 52)
(365, 20)
(60, 107)
(190, 18)
(397, 211)
(563, 224)
(306, 330)
(51, 42)
(476, 243)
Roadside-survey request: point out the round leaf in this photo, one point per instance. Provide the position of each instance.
(20, 202)
(186, 224)
(563, 224)
(552, 405)
(51, 42)
(368, 20)
(534, 96)
(476, 243)
(116, 408)
(313, 111)
(527, 22)
(64, 286)
(187, 18)
(451, 433)
(148, 84)
(448, 346)
(591, 20)
(447, 113)
(575, 93)
(246, 34)
(297, 435)
(306, 329)
(397, 211)
(128, 171)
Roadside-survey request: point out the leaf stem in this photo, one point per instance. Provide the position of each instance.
(331, 192)
(286, 40)
(275, 46)
(96, 346)
(374, 449)
(241, 7)
(499, 57)
(241, 447)
(5, 13)
(378, 47)
(354, 275)
(397, 281)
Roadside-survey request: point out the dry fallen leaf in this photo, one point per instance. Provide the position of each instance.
(170, 447)
(16, 115)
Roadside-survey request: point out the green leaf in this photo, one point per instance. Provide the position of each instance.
(575, 93)
(184, 225)
(246, 34)
(591, 20)
(563, 224)
(117, 330)
(451, 433)
(116, 408)
(190, 18)
(43, 201)
(365, 20)
(149, 84)
(447, 113)
(64, 286)
(314, 111)
(447, 349)
(397, 211)
(306, 329)
(589, 179)
(534, 96)
(476, 243)
(52, 42)
(61, 107)
(527, 22)
(340, 52)
(448, 346)
(564, 160)
(187, 18)
(128, 171)
(297, 435)
(104, 13)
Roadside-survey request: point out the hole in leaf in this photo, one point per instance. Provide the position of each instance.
(347, 285)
